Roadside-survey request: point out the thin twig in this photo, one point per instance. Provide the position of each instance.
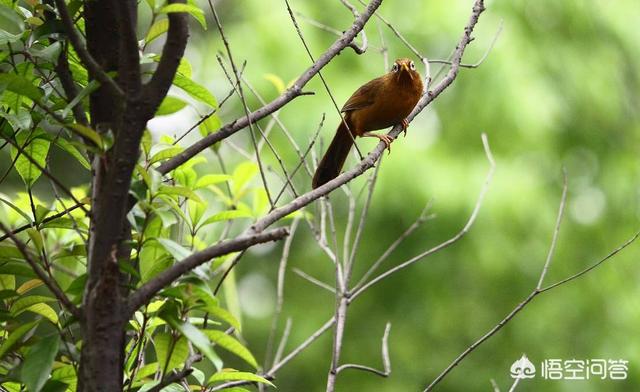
(313, 280)
(293, 92)
(452, 240)
(324, 82)
(282, 268)
(386, 362)
(240, 93)
(536, 291)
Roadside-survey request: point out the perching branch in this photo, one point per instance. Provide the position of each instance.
(293, 92)
(48, 280)
(143, 294)
(369, 161)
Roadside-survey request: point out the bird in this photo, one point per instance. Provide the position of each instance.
(380, 103)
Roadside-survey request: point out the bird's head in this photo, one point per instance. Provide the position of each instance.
(404, 69)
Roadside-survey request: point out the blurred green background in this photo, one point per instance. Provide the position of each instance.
(560, 89)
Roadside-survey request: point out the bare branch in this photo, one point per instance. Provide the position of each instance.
(370, 160)
(313, 280)
(595, 265)
(291, 93)
(536, 291)
(282, 269)
(556, 230)
(143, 294)
(414, 226)
(324, 82)
(386, 362)
(450, 241)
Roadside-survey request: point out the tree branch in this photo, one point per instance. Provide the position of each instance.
(172, 53)
(82, 51)
(149, 289)
(536, 291)
(370, 160)
(48, 281)
(45, 220)
(294, 91)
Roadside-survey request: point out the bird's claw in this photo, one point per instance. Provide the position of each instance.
(386, 139)
(405, 125)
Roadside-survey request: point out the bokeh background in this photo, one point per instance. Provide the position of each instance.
(559, 89)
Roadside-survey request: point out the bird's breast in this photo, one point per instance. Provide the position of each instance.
(390, 107)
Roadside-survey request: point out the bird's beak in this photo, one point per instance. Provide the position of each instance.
(405, 67)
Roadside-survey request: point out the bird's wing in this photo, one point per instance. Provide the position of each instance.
(363, 97)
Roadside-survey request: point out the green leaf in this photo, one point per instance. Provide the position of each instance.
(12, 386)
(35, 147)
(194, 11)
(163, 344)
(29, 285)
(230, 344)
(90, 134)
(7, 282)
(49, 53)
(184, 68)
(210, 125)
(91, 87)
(11, 19)
(73, 151)
(167, 153)
(66, 374)
(6, 37)
(170, 105)
(223, 314)
(45, 311)
(198, 339)
(19, 85)
(179, 191)
(225, 216)
(16, 209)
(38, 362)
(146, 142)
(232, 375)
(153, 260)
(195, 90)
(157, 29)
(176, 250)
(211, 179)
(242, 174)
(17, 268)
(15, 336)
(25, 302)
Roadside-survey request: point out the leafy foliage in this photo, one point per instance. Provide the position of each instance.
(40, 342)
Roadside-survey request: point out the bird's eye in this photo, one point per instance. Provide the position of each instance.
(412, 66)
(395, 67)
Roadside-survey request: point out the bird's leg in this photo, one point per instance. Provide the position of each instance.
(384, 137)
(405, 125)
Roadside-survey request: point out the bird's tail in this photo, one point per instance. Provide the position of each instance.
(333, 160)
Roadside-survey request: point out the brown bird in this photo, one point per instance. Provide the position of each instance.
(381, 103)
